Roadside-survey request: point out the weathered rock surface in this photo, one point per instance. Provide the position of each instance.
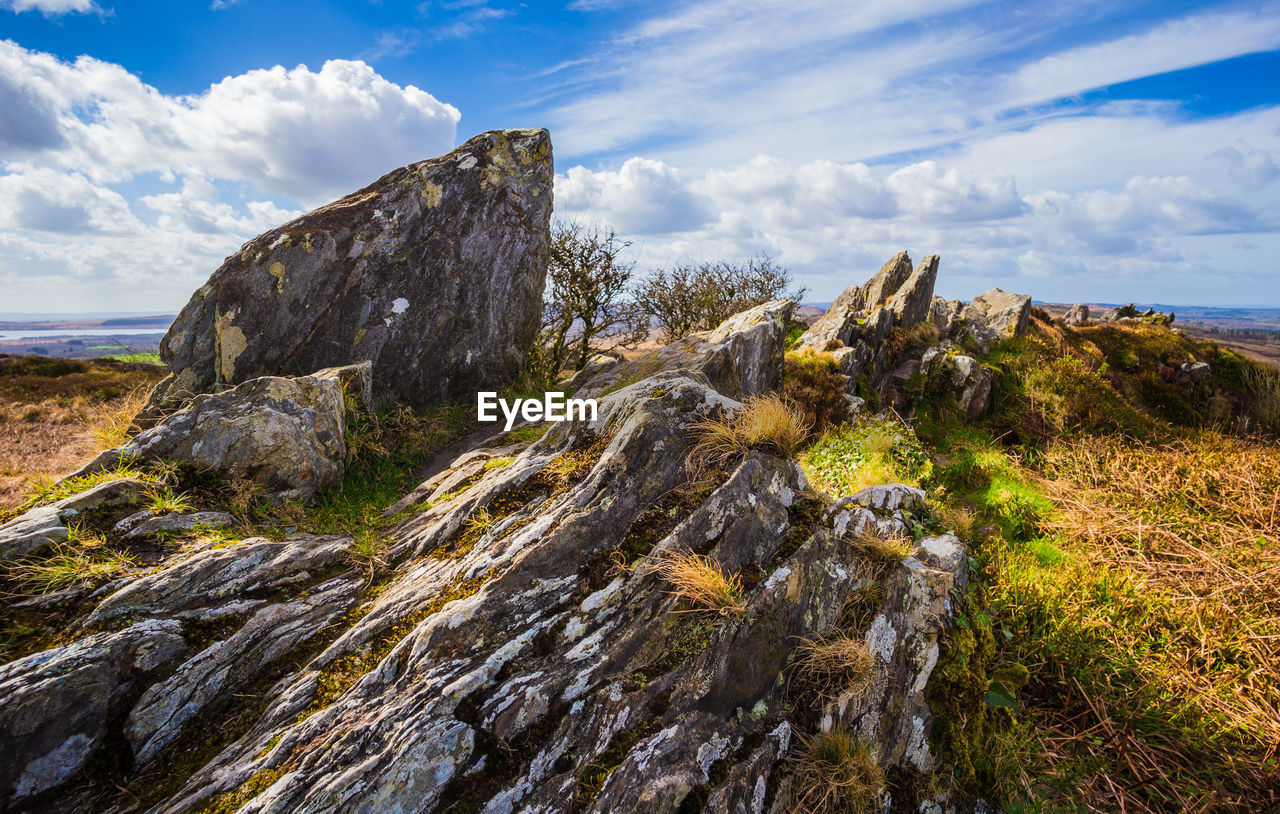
(1077, 315)
(55, 705)
(434, 273)
(148, 522)
(45, 526)
(910, 304)
(284, 434)
(995, 315)
(839, 325)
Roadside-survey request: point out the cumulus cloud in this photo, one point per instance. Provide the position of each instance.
(1252, 168)
(45, 200)
(309, 135)
(823, 218)
(642, 197)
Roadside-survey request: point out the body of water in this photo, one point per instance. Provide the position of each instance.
(61, 332)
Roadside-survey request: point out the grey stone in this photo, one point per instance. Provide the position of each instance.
(996, 315)
(180, 522)
(284, 434)
(973, 385)
(1077, 315)
(911, 303)
(434, 273)
(54, 705)
(840, 324)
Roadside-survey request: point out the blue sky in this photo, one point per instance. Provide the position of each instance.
(1075, 151)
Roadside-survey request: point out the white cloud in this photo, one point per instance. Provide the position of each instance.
(642, 197)
(45, 200)
(1195, 40)
(51, 8)
(307, 135)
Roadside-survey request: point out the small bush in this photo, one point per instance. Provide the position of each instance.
(835, 771)
(700, 581)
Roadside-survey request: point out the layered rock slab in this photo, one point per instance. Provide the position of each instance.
(434, 272)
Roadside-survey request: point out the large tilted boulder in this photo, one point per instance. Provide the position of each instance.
(284, 434)
(434, 272)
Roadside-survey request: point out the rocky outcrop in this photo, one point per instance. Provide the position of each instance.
(55, 706)
(1077, 315)
(527, 651)
(996, 315)
(434, 273)
(839, 325)
(284, 434)
(45, 526)
(1130, 313)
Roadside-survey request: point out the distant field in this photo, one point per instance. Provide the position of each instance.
(47, 407)
(1254, 332)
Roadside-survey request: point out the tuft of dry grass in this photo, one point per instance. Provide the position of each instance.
(701, 582)
(881, 549)
(834, 771)
(110, 423)
(769, 422)
(834, 665)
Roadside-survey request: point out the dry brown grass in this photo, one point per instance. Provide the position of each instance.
(48, 409)
(834, 771)
(882, 549)
(700, 581)
(1194, 528)
(834, 665)
(770, 423)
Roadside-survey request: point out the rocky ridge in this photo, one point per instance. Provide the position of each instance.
(524, 647)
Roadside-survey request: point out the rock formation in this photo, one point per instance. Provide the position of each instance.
(285, 434)
(434, 273)
(535, 660)
(1077, 315)
(855, 330)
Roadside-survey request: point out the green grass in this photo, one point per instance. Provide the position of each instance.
(139, 358)
(872, 451)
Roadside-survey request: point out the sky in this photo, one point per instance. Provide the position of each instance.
(1083, 151)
